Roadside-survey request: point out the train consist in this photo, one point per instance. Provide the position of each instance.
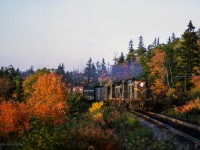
(129, 93)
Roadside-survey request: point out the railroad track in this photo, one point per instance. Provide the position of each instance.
(186, 130)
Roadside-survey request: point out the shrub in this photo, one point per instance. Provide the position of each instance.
(77, 104)
(14, 118)
(190, 105)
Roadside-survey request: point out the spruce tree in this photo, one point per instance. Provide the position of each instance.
(88, 70)
(131, 54)
(121, 59)
(155, 42)
(173, 37)
(141, 49)
(189, 52)
(131, 46)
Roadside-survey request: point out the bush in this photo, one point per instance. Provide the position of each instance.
(77, 104)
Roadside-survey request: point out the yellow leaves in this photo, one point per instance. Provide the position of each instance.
(96, 106)
(97, 115)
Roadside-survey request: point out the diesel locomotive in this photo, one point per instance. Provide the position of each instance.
(129, 93)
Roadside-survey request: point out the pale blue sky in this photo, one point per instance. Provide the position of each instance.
(44, 33)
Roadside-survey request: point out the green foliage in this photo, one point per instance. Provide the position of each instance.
(30, 80)
(12, 75)
(141, 49)
(121, 59)
(77, 104)
(192, 116)
(189, 54)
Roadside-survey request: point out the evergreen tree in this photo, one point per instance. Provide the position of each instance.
(88, 70)
(158, 41)
(154, 42)
(121, 59)
(19, 90)
(189, 52)
(131, 54)
(173, 37)
(141, 49)
(190, 27)
(131, 46)
(169, 40)
(94, 77)
(98, 68)
(60, 70)
(103, 65)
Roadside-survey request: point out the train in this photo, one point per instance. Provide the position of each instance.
(129, 93)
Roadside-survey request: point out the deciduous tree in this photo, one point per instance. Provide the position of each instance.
(47, 101)
(158, 71)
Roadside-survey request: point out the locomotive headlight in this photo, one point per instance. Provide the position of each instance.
(141, 84)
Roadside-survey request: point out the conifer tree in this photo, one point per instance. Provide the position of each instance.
(173, 37)
(121, 59)
(141, 49)
(131, 46)
(158, 41)
(88, 69)
(189, 52)
(155, 42)
(131, 54)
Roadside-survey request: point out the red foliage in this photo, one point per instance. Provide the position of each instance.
(98, 137)
(13, 117)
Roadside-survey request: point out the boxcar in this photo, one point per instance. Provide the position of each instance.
(88, 92)
(100, 93)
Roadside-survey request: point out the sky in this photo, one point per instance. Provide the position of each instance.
(45, 33)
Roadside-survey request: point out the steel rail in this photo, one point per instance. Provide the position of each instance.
(170, 126)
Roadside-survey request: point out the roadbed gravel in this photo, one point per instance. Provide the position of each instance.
(163, 134)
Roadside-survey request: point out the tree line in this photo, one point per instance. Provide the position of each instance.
(164, 66)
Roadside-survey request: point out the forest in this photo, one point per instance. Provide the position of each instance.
(39, 111)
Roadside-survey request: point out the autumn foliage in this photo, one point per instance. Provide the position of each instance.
(158, 72)
(192, 104)
(47, 102)
(14, 117)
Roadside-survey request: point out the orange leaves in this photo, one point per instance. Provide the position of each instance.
(196, 82)
(13, 117)
(157, 64)
(158, 71)
(46, 102)
(192, 104)
(158, 87)
(48, 98)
